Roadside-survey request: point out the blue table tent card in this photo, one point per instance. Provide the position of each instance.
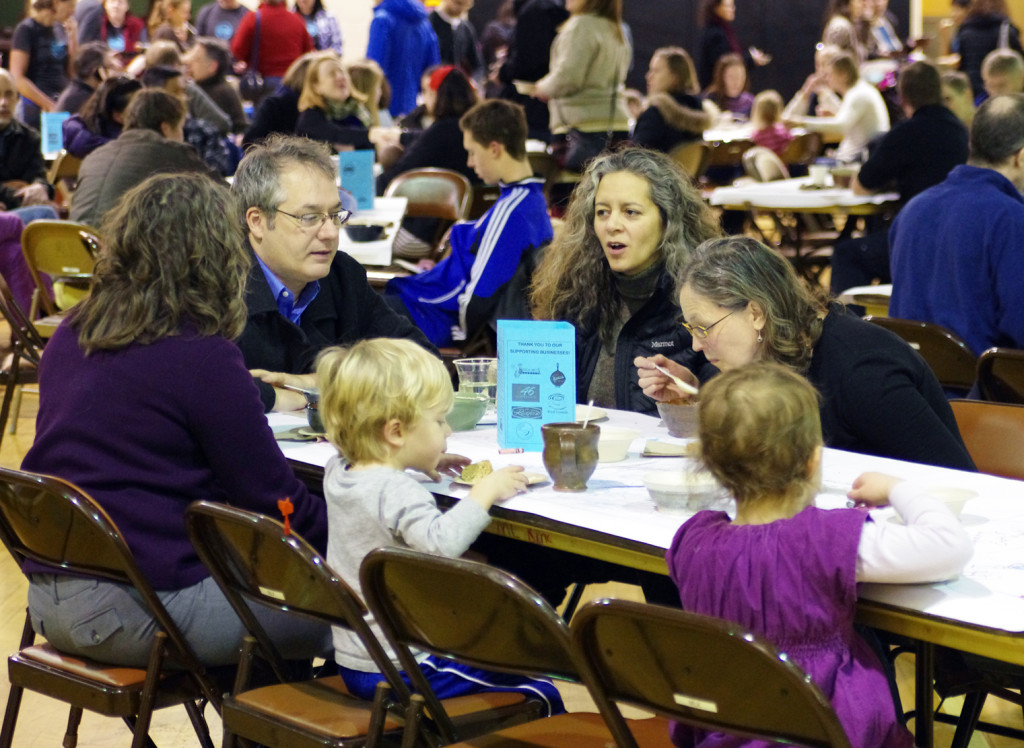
(536, 380)
(52, 133)
(355, 169)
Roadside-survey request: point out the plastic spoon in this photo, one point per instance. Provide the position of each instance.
(686, 387)
(590, 409)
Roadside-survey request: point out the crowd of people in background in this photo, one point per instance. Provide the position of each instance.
(226, 289)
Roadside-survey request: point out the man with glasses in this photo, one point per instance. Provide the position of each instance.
(303, 295)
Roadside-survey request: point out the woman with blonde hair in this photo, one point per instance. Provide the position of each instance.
(632, 222)
(673, 114)
(279, 111)
(169, 20)
(330, 110)
(585, 87)
(146, 404)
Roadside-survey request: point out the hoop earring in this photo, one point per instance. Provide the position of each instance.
(760, 339)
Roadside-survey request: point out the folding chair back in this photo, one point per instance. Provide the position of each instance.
(993, 434)
(703, 672)
(433, 193)
(764, 165)
(949, 358)
(26, 347)
(65, 251)
(464, 611)
(694, 157)
(253, 559)
(50, 521)
(1001, 375)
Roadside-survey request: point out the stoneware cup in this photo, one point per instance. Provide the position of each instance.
(570, 453)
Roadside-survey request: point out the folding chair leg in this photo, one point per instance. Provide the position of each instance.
(148, 696)
(11, 716)
(71, 734)
(969, 714)
(12, 426)
(195, 714)
(378, 714)
(574, 600)
(413, 718)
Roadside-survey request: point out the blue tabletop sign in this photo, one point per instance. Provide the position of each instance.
(536, 380)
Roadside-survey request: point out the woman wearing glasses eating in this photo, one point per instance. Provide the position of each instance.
(742, 303)
(632, 222)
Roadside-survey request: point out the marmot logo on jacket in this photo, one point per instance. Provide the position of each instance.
(663, 344)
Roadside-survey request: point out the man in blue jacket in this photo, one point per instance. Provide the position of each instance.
(456, 298)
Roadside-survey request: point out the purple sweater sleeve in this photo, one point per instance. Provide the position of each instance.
(232, 430)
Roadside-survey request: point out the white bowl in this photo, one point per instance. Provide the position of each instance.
(683, 492)
(952, 496)
(613, 443)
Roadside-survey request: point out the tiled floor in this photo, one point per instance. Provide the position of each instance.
(42, 720)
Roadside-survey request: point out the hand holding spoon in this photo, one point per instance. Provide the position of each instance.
(685, 386)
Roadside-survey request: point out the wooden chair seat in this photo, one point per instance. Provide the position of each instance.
(577, 730)
(111, 675)
(323, 706)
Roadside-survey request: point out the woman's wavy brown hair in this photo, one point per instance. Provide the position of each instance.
(173, 261)
(738, 270)
(574, 282)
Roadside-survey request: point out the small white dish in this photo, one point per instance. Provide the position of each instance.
(590, 413)
(613, 443)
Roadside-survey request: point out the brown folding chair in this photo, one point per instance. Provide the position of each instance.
(1001, 375)
(63, 175)
(803, 149)
(49, 521)
(949, 358)
(797, 236)
(254, 560)
(484, 197)
(694, 157)
(433, 193)
(482, 616)
(22, 366)
(701, 671)
(993, 434)
(66, 251)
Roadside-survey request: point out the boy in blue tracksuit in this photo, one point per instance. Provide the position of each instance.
(457, 297)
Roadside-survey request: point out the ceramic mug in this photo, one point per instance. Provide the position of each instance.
(570, 453)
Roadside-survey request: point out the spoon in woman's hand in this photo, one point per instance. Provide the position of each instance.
(685, 386)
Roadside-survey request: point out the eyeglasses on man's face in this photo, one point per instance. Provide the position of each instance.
(699, 331)
(313, 221)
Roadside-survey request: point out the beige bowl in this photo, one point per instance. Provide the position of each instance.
(613, 443)
(683, 492)
(952, 496)
(680, 418)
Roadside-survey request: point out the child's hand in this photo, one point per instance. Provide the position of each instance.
(450, 465)
(499, 485)
(873, 488)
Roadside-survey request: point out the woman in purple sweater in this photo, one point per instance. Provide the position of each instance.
(146, 404)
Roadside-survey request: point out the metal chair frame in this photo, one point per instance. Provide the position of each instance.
(704, 672)
(49, 521)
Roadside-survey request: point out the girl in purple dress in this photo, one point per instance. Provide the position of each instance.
(787, 570)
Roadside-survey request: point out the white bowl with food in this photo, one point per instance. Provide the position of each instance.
(684, 491)
(952, 496)
(613, 443)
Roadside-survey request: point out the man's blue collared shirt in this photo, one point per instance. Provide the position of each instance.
(289, 306)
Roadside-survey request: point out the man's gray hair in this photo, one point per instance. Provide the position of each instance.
(997, 132)
(257, 182)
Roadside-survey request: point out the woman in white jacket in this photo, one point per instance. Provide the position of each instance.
(584, 88)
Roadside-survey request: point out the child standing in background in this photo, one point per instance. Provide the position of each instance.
(383, 403)
(787, 570)
(765, 116)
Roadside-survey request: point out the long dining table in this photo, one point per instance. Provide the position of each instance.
(615, 520)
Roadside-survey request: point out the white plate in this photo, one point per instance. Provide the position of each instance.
(532, 479)
(590, 414)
